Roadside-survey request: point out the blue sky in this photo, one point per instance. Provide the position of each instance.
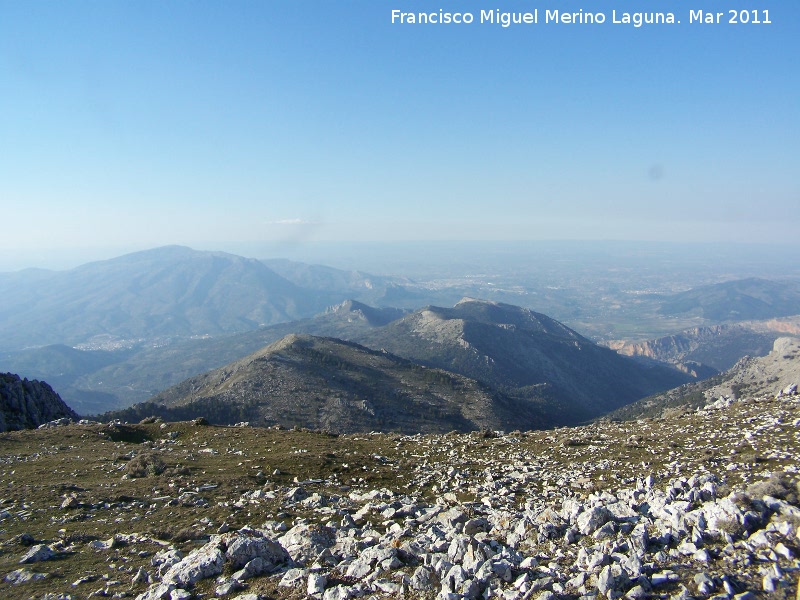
(133, 124)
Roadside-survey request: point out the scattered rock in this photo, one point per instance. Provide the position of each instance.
(37, 553)
(23, 576)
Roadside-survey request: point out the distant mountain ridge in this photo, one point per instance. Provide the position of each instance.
(739, 300)
(98, 381)
(111, 333)
(164, 292)
(512, 368)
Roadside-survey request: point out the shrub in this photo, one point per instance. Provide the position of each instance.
(144, 465)
(730, 526)
(779, 485)
(187, 534)
(149, 420)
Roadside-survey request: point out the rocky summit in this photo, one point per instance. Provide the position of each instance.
(701, 505)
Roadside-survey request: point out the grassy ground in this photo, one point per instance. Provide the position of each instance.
(178, 483)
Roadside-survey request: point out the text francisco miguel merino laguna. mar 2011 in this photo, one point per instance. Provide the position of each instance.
(581, 17)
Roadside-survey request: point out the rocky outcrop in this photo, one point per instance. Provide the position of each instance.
(766, 375)
(27, 404)
(717, 347)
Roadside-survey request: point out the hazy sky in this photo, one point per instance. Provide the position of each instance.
(141, 123)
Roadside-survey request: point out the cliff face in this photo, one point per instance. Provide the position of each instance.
(718, 346)
(27, 404)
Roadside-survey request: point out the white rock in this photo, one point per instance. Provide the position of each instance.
(316, 584)
(293, 577)
(37, 553)
(23, 576)
(590, 521)
(202, 563)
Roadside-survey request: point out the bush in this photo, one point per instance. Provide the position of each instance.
(144, 465)
(779, 485)
(730, 526)
(149, 420)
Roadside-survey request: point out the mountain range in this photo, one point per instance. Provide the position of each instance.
(474, 365)
(153, 296)
(114, 333)
(523, 353)
(330, 384)
(739, 300)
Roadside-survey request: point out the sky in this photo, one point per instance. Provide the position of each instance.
(132, 124)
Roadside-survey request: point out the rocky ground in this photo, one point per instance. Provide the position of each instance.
(703, 504)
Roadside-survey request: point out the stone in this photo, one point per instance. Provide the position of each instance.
(389, 587)
(104, 544)
(769, 584)
(242, 548)
(159, 591)
(228, 587)
(202, 563)
(70, 502)
(293, 577)
(611, 579)
(141, 576)
(165, 559)
(316, 584)
(37, 553)
(637, 592)
(423, 579)
(474, 526)
(254, 568)
(590, 521)
(23, 575)
(304, 542)
(338, 592)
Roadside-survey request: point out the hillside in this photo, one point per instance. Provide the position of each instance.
(27, 404)
(96, 381)
(758, 376)
(525, 354)
(750, 377)
(325, 383)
